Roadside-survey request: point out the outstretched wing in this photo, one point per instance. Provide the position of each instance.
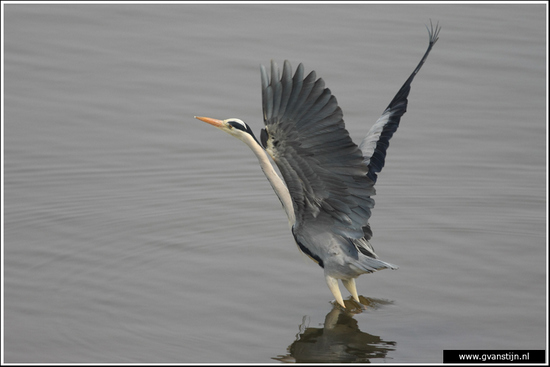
(322, 167)
(327, 175)
(376, 142)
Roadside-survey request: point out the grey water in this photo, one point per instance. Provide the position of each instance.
(135, 233)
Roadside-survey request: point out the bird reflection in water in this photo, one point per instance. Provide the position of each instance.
(339, 340)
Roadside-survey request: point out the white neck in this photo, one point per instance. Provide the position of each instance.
(276, 182)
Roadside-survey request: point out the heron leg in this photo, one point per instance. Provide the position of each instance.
(350, 286)
(333, 286)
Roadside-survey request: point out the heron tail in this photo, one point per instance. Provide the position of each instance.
(370, 265)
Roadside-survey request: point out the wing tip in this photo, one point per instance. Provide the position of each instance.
(433, 33)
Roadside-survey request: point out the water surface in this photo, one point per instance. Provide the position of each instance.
(134, 233)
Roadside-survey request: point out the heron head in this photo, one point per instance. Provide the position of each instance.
(233, 126)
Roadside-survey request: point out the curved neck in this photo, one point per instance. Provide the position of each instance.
(276, 182)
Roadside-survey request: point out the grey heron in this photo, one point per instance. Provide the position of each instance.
(329, 179)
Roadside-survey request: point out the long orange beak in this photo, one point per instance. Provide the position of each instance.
(211, 121)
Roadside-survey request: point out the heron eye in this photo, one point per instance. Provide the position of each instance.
(237, 125)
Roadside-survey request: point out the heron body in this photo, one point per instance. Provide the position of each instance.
(328, 180)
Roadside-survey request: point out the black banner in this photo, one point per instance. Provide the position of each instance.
(494, 356)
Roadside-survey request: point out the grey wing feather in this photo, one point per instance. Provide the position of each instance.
(329, 178)
(306, 137)
(376, 142)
